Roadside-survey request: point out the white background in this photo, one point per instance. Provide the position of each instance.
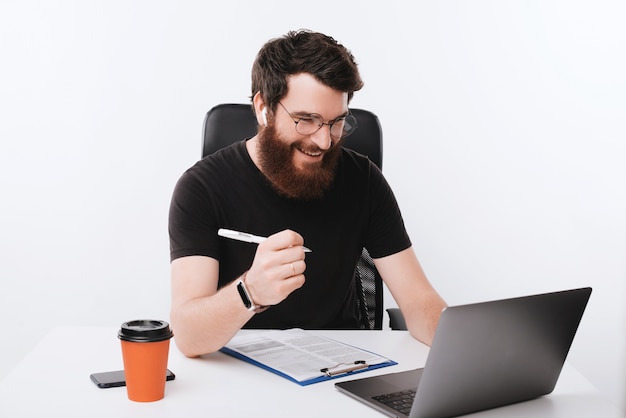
(505, 143)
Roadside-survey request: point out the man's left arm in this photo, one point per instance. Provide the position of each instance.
(419, 302)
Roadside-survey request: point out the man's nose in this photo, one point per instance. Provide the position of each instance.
(322, 137)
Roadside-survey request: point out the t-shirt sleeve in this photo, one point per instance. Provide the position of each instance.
(192, 228)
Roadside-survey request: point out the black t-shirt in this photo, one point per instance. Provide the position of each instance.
(227, 190)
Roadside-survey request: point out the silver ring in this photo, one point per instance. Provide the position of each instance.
(293, 269)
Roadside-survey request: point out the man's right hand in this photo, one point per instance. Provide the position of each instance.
(277, 268)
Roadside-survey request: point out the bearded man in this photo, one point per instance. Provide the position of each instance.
(291, 182)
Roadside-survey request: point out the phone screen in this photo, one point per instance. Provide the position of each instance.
(116, 378)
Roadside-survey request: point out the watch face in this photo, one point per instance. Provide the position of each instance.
(244, 295)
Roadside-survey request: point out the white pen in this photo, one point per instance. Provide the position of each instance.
(245, 237)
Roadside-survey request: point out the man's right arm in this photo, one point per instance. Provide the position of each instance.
(204, 318)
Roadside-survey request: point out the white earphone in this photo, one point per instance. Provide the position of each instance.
(264, 116)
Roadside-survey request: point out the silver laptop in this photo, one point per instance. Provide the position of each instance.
(484, 355)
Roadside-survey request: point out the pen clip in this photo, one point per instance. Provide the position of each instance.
(242, 235)
(342, 368)
(229, 233)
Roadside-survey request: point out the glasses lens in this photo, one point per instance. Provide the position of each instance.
(308, 125)
(347, 127)
(337, 128)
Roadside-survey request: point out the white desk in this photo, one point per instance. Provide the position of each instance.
(53, 380)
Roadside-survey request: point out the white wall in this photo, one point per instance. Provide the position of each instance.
(504, 140)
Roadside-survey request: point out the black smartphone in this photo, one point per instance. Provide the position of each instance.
(116, 379)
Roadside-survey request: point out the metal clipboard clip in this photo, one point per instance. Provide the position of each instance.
(342, 368)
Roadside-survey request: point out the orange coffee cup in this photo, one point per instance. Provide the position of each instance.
(145, 349)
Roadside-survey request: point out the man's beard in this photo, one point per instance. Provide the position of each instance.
(307, 183)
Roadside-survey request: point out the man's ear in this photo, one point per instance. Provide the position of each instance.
(260, 109)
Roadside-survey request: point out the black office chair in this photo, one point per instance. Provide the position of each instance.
(228, 123)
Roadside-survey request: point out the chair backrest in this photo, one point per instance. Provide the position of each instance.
(225, 124)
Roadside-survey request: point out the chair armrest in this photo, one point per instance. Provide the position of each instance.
(396, 319)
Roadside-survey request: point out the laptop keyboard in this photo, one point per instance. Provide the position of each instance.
(400, 401)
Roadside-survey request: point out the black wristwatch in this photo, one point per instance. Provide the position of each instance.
(246, 298)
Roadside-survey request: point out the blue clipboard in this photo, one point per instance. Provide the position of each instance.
(332, 372)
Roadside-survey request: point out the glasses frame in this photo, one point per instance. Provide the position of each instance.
(349, 118)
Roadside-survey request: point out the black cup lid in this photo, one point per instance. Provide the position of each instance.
(145, 330)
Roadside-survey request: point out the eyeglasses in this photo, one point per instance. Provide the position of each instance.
(311, 123)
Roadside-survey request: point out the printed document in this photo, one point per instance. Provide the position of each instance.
(301, 356)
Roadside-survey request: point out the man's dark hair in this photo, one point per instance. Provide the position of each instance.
(303, 51)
